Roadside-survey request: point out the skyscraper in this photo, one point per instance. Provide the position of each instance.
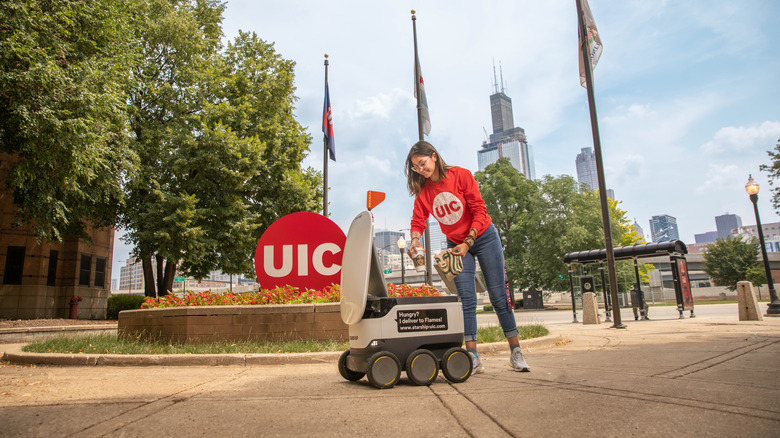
(638, 230)
(586, 168)
(506, 141)
(586, 171)
(727, 222)
(663, 228)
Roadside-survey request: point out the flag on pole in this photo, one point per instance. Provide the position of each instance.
(327, 124)
(419, 87)
(594, 41)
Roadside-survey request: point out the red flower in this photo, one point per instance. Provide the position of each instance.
(277, 295)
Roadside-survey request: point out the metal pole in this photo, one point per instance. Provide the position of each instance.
(403, 270)
(427, 232)
(571, 289)
(639, 290)
(325, 156)
(599, 165)
(774, 304)
(606, 296)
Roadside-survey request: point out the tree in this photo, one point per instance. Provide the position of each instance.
(774, 174)
(730, 260)
(219, 149)
(62, 124)
(540, 221)
(511, 200)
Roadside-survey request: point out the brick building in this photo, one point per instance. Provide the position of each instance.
(37, 280)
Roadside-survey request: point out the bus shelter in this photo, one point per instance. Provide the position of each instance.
(676, 251)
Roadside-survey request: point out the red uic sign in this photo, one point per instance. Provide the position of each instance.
(302, 250)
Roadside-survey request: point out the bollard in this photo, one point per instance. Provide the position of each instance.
(590, 309)
(748, 305)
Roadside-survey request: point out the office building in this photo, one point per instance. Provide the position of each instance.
(771, 231)
(586, 169)
(663, 228)
(131, 278)
(586, 172)
(727, 223)
(709, 236)
(506, 141)
(387, 240)
(638, 230)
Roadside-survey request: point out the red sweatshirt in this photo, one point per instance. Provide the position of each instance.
(455, 202)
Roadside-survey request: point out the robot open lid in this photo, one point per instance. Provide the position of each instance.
(387, 335)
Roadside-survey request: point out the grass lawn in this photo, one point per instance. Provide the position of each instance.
(111, 344)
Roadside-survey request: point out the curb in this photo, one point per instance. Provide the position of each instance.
(16, 356)
(57, 328)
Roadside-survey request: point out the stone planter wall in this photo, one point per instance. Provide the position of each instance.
(235, 323)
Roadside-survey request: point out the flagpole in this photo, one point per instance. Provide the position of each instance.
(594, 123)
(427, 237)
(325, 156)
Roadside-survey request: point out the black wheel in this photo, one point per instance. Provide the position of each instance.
(422, 367)
(383, 370)
(346, 372)
(456, 365)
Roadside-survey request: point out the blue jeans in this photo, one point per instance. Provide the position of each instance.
(487, 249)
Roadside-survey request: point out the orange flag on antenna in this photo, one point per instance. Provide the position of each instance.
(373, 199)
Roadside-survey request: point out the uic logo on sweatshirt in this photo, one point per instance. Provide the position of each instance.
(302, 250)
(447, 208)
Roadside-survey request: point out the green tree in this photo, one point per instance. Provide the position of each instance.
(730, 260)
(540, 221)
(62, 122)
(219, 149)
(512, 202)
(774, 174)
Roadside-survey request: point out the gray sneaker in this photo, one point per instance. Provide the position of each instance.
(476, 367)
(517, 361)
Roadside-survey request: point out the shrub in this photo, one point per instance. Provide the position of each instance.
(118, 303)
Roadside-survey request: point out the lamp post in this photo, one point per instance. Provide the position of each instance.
(401, 246)
(774, 304)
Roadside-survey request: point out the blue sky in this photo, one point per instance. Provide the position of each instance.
(687, 94)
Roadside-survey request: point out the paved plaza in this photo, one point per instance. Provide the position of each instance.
(707, 376)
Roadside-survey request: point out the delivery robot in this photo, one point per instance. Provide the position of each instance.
(387, 335)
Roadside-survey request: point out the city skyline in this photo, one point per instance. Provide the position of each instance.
(685, 91)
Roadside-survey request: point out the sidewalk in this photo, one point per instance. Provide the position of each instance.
(690, 377)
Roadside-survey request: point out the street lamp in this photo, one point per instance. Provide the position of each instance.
(401, 246)
(774, 304)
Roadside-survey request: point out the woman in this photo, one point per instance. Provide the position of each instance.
(452, 196)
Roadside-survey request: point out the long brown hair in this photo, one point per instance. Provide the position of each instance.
(415, 181)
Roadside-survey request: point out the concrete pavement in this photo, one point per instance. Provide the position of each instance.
(691, 377)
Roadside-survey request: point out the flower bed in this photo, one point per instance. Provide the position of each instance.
(278, 295)
(208, 317)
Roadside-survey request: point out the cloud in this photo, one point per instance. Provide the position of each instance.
(735, 139)
(634, 111)
(381, 105)
(717, 178)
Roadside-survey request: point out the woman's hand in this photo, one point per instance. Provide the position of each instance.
(417, 244)
(460, 250)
